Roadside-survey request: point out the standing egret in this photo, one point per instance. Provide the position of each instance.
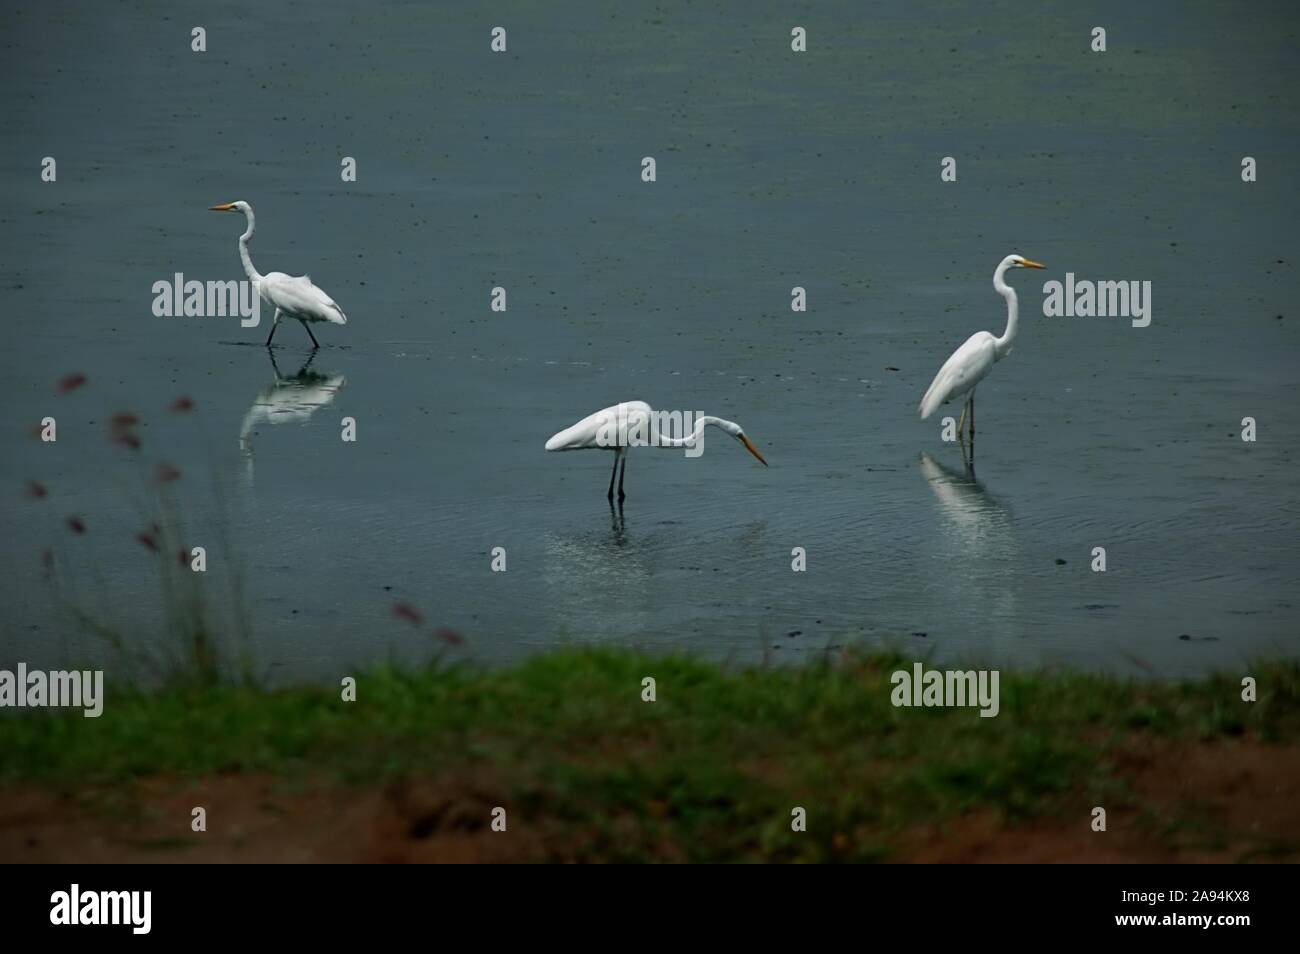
(972, 362)
(296, 297)
(630, 424)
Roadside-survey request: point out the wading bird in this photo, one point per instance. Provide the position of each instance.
(295, 297)
(972, 362)
(631, 424)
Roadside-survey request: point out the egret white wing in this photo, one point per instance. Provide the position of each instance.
(299, 297)
(961, 372)
(611, 422)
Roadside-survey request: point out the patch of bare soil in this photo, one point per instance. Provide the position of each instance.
(1225, 801)
(1235, 800)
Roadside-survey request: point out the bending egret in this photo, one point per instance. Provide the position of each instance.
(296, 297)
(972, 362)
(630, 424)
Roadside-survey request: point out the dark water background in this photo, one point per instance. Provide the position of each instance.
(774, 170)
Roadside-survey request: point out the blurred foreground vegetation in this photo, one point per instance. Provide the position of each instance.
(711, 768)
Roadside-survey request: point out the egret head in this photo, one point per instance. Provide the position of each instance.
(239, 206)
(750, 447)
(734, 429)
(1019, 261)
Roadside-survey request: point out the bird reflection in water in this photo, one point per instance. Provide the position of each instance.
(978, 555)
(600, 578)
(618, 523)
(974, 515)
(291, 399)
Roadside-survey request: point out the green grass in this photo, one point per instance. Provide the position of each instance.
(711, 769)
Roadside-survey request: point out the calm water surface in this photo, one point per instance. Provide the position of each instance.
(774, 170)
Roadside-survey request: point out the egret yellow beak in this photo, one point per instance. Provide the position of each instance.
(225, 207)
(752, 449)
(1028, 264)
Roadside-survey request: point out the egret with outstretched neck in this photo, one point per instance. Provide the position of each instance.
(297, 297)
(971, 363)
(632, 423)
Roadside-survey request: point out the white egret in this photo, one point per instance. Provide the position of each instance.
(296, 297)
(632, 424)
(972, 362)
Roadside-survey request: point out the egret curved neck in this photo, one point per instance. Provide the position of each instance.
(703, 421)
(253, 274)
(1003, 345)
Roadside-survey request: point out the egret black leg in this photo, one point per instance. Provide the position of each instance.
(617, 457)
(314, 342)
(968, 457)
(972, 418)
(621, 475)
(275, 323)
